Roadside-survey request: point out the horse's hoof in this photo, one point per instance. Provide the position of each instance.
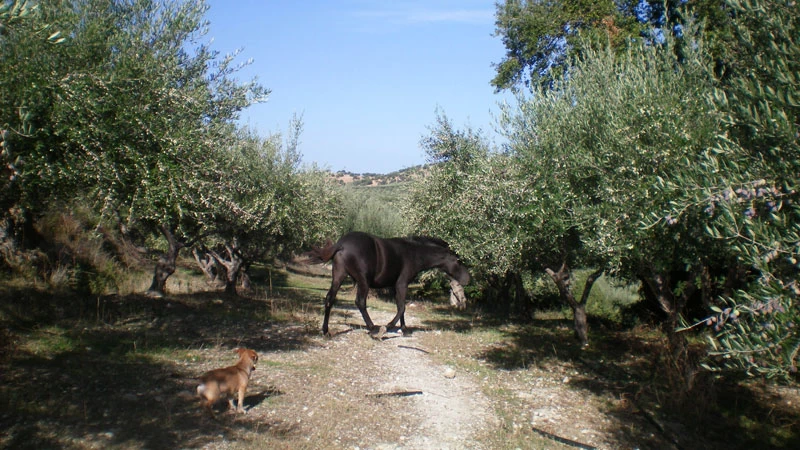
(378, 334)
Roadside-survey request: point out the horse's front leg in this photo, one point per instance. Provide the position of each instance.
(400, 300)
(361, 302)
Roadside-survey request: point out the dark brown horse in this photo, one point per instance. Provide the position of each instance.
(379, 263)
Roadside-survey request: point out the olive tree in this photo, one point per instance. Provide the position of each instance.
(120, 103)
(460, 200)
(502, 213)
(273, 206)
(600, 142)
(746, 191)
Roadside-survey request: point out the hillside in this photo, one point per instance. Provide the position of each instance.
(376, 179)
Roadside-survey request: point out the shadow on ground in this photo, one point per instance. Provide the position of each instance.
(719, 413)
(115, 371)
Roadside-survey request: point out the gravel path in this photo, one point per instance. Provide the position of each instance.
(451, 407)
(433, 405)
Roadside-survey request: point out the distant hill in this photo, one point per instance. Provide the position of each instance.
(373, 202)
(376, 179)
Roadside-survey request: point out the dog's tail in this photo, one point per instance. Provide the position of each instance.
(201, 389)
(319, 255)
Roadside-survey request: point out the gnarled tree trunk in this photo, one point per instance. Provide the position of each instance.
(233, 265)
(457, 297)
(678, 348)
(207, 263)
(563, 281)
(166, 264)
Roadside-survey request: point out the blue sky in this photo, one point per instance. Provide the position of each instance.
(367, 76)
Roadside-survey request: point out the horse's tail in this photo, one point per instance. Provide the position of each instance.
(319, 255)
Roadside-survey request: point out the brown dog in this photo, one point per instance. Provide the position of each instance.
(229, 380)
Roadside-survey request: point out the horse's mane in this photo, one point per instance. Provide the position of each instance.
(427, 240)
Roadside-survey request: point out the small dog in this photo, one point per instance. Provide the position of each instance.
(229, 380)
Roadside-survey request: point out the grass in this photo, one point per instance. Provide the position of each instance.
(44, 342)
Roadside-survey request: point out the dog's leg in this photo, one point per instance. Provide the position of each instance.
(208, 405)
(208, 398)
(241, 400)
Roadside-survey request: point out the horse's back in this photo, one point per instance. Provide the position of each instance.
(379, 261)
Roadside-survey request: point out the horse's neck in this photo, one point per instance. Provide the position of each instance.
(430, 256)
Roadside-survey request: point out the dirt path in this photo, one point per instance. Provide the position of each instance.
(451, 407)
(387, 394)
(347, 392)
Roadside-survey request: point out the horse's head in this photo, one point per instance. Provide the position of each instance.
(453, 266)
(443, 257)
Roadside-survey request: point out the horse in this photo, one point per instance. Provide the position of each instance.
(380, 263)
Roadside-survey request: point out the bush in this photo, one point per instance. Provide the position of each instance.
(374, 210)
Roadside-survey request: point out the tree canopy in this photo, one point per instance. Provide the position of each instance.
(124, 105)
(542, 37)
(671, 162)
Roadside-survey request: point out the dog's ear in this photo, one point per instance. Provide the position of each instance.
(240, 350)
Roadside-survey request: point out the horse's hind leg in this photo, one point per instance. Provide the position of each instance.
(330, 298)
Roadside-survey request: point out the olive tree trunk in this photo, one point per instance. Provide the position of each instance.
(166, 264)
(681, 364)
(457, 297)
(562, 279)
(208, 265)
(232, 265)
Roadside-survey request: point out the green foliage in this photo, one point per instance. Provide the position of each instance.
(127, 108)
(122, 103)
(267, 204)
(539, 36)
(374, 209)
(464, 200)
(596, 150)
(543, 38)
(747, 190)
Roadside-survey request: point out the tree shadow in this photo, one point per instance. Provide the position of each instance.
(115, 371)
(626, 365)
(250, 401)
(447, 318)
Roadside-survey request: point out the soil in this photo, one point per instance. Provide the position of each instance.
(122, 374)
